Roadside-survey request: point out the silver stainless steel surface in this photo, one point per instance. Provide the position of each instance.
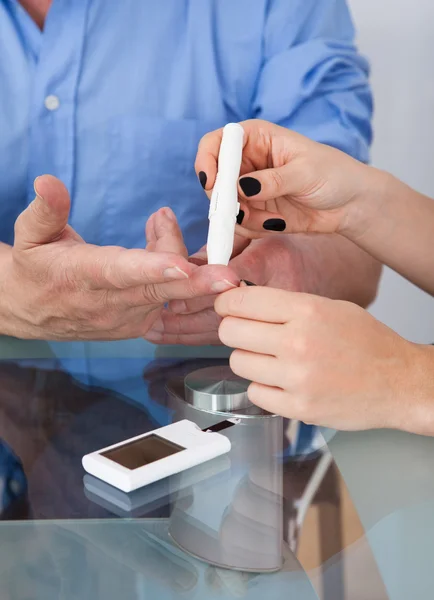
(216, 389)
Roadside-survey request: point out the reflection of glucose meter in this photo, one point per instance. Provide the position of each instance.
(157, 495)
(147, 458)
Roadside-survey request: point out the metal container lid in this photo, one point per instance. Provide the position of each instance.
(217, 389)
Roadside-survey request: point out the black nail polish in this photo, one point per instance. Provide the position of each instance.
(249, 283)
(203, 179)
(275, 225)
(240, 217)
(250, 186)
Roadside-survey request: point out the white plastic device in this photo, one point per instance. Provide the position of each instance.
(224, 206)
(147, 458)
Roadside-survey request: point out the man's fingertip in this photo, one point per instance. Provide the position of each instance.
(35, 187)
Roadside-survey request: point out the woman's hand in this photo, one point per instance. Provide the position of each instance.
(291, 184)
(326, 362)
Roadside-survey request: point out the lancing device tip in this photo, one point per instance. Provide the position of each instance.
(248, 283)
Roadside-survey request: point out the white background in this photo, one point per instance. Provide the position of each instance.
(398, 38)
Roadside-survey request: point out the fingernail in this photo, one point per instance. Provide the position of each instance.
(153, 336)
(168, 212)
(203, 178)
(275, 225)
(178, 306)
(175, 273)
(249, 283)
(222, 286)
(199, 256)
(240, 217)
(36, 191)
(250, 186)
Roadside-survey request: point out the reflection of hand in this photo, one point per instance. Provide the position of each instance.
(290, 183)
(76, 290)
(326, 362)
(274, 262)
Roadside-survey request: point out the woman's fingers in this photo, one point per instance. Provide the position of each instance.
(257, 145)
(252, 336)
(183, 339)
(207, 158)
(264, 304)
(273, 400)
(256, 367)
(258, 221)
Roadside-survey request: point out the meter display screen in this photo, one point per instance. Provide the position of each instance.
(142, 452)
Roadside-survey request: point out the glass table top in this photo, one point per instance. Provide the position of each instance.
(290, 512)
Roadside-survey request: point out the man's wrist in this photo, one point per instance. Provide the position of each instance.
(6, 327)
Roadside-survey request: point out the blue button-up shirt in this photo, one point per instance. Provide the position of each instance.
(113, 97)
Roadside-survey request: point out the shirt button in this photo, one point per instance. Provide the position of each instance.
(52, 102)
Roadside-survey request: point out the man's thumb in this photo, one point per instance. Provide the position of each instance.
(45, 219)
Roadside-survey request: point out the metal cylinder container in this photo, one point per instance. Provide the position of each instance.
(233, 521)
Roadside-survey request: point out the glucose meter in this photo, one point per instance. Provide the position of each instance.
(147, 458)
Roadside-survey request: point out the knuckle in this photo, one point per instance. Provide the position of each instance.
(311, 308)
(297, 344)
(301, 345)
(276, 180)
(153, 294)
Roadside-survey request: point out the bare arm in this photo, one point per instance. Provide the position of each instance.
(395, 224)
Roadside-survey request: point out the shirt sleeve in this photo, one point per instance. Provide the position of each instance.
(313, 80)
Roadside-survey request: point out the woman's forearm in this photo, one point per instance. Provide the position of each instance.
(395, 224)
(415, 397)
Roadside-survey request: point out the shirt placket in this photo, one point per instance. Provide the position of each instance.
(53, 113)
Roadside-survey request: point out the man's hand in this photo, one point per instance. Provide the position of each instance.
(273, 262)
(55, 286)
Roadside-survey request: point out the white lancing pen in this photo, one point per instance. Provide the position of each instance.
(224, 206)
